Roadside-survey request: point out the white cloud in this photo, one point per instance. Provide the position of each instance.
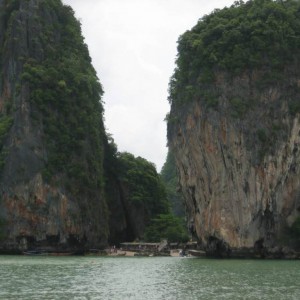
(133, 47)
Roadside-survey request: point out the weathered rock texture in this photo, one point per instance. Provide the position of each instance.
(35, 211)
(238, 197)
(234, 127)
(60, 183)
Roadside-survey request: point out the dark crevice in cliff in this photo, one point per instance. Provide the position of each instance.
(217, 248)
(121, 221)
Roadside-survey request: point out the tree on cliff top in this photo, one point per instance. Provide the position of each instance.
(166, 226)
(258, 34)
(144, 184)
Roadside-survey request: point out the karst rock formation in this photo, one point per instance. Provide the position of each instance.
(234, 128)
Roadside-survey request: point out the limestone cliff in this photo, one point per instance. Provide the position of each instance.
(234, 128)
(51, 185)
(63, 184)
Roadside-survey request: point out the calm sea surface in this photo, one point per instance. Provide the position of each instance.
(147, 278)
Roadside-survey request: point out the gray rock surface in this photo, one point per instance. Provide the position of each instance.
(241, 191)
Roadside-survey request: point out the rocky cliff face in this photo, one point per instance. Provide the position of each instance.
(238, 159)
(231, 195)
(51, 185)
(63, 184)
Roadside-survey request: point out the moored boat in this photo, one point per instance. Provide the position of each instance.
(35, 253)
(197, 253)
(60, 253)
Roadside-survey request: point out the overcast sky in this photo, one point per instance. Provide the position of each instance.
(133, 48)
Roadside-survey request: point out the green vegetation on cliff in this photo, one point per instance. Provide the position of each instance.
(145, 187)
(234, 124)
(65, 96)
(169, 177)
(51, 123)
(168, 227)
(5, 124)
(257, 35)
(153, 197)
(237, 60)
(142, 194)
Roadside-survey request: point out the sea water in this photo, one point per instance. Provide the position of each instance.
(146, 278)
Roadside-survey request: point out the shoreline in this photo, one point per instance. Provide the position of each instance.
(280, 254)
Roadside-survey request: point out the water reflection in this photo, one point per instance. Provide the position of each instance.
(146, 278)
